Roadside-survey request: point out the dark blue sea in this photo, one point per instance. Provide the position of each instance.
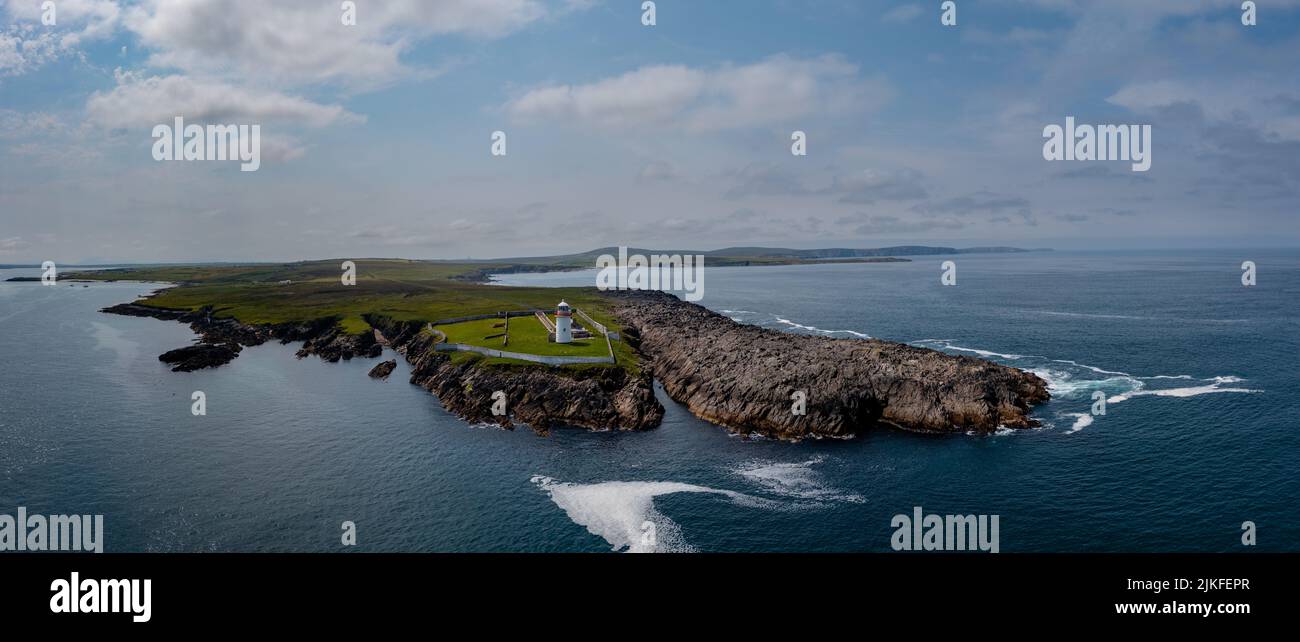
(1202, 430)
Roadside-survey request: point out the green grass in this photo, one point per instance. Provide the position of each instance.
(403, 290)
(476, 333)
(355, 325)
(526, 335)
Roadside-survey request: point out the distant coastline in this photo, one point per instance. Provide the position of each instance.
(704, 360)
(725, 257)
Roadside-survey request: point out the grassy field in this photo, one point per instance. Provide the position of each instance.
(402, 290)
(526, 335)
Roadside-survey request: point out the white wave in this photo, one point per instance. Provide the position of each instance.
(736, 312)
(1191, 391)
(1081, 420)
(1092, 368)
(797, 480)
(983, 353)
(623, 513)
(1071, 380)
(1063, 384)
(816, 329)
(1000, 431)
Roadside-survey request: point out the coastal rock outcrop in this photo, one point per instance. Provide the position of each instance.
(541, 398)
(746, 378)
(197, 357)
(739, 376)
(321, 337)
(383, 370)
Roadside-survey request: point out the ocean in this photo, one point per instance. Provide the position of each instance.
(1201, 433)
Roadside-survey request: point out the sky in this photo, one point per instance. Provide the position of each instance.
(377, 137)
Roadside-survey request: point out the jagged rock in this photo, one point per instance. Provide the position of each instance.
(739, 376)
(742, 377)
(198, 357)
(541, 398)
(384, 369)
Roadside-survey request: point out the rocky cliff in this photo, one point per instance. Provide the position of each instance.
(745, 377)
(220, 340)
(739, 376)
(540, 397)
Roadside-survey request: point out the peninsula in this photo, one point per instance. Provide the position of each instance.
(471, 344)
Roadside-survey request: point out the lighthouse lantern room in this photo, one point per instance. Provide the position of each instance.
(563, 323)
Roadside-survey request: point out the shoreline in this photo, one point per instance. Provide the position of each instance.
(720, 370)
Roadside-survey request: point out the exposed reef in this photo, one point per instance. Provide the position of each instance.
(745, 377)
(383, 370)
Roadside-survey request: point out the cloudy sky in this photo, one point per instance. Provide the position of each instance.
(377, 137)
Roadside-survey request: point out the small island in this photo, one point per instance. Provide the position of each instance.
(581, 357)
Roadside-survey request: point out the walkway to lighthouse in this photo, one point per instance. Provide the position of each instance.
(494, 335)
(546, 321)
(579, 332)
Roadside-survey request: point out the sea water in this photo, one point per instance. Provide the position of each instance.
(1201, 433)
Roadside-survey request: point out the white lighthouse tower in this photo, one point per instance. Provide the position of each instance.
(563, 323)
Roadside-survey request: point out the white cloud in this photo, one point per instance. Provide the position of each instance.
(27, 44)
(16, 124)
(645, 96)
(1273, 109)
(140, 101)
(304, 41)
(774, 90)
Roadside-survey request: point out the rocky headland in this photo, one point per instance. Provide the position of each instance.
(742, 377)
(745, 377)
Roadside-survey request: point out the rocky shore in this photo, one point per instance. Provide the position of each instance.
(383, 370)
(742, 377)
(541, 398)
(221, 340)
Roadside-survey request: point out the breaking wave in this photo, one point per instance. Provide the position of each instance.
(810, 328)
(624, 515)
(795, 480)
(1215, 386)
(765, 320)
(1074, 383)
(1081, 420)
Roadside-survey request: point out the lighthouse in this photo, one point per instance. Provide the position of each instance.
(563, 323)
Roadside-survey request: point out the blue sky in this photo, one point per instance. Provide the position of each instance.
(376, 137)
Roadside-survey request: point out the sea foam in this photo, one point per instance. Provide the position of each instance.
(624, 515)
(810, 328)
(1073, 382)
(797, 480)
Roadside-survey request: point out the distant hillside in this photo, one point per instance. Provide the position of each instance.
(751, 255)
